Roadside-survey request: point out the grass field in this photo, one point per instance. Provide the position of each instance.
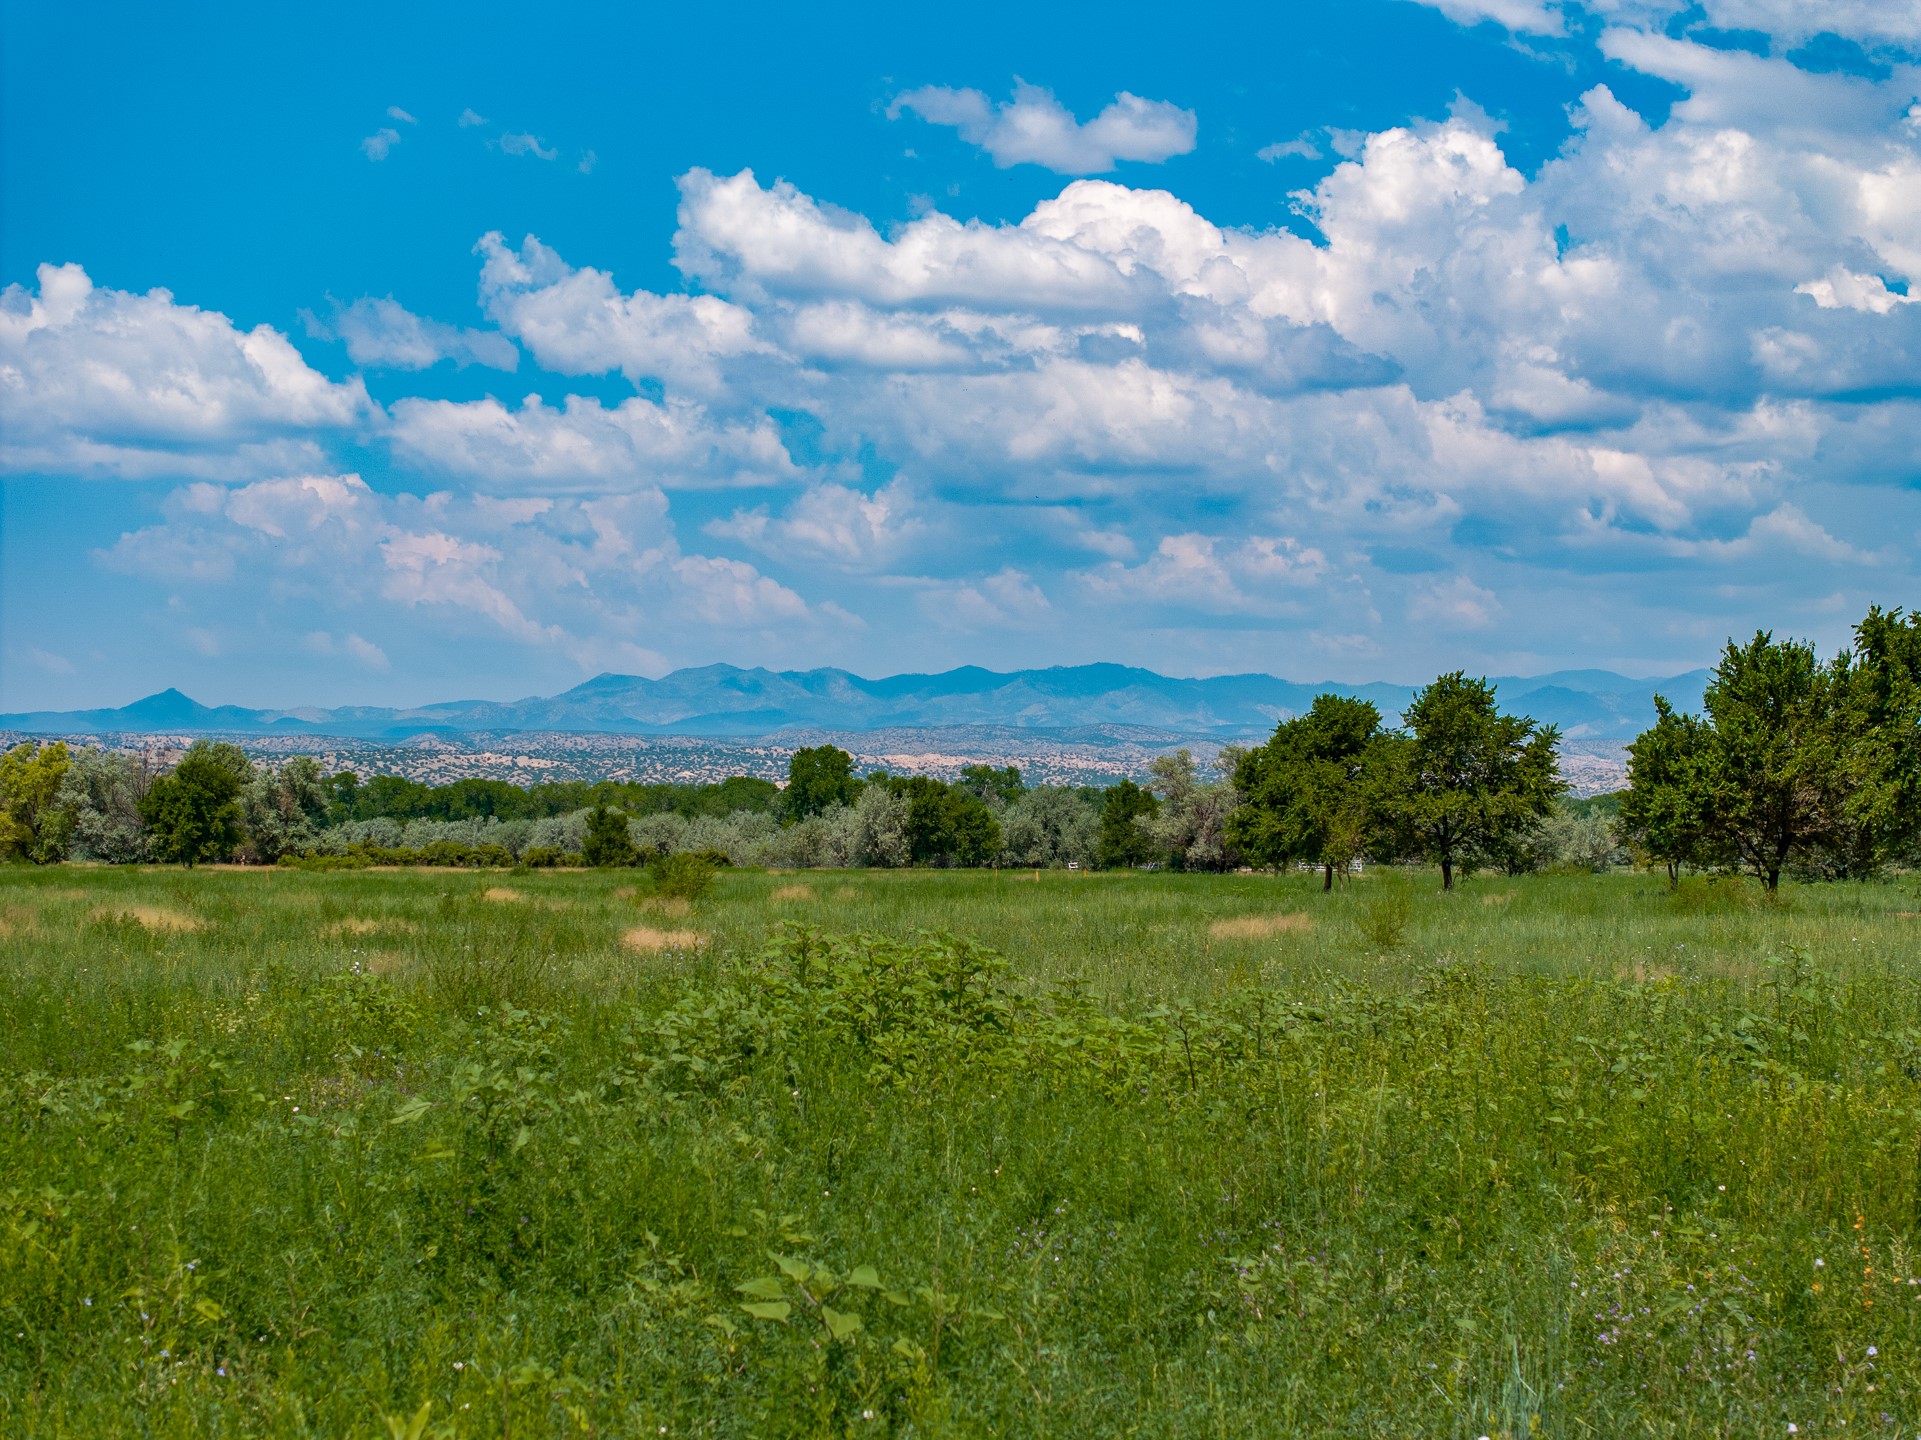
(301, 1154)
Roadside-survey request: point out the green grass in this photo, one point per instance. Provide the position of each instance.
(295, 1154)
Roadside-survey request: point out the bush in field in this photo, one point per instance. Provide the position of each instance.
(607, 841)
(684, 876)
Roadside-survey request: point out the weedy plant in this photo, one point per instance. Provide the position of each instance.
(682, 875)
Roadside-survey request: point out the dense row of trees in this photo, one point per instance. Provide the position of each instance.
(1794, 765)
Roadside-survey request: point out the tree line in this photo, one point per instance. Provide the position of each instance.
(1794, 766)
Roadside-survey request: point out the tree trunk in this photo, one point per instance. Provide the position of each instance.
(1327, 878)
(1447, 873)
(1674, 873)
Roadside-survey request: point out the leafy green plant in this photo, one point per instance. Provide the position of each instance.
(682, 876)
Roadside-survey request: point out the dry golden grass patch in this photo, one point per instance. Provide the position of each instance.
(1643, 973)
(500, 894)
(368, 925)
(845, 893)
(782, 893)
(1261, 927)
(13, 921)
(651, 941)
(1503, 897)
(156, 918)
(673, 907)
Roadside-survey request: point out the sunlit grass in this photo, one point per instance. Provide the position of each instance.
(293, 1153)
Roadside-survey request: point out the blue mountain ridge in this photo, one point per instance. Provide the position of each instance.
(728, 701)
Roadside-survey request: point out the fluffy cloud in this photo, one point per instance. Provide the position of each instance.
(590, 578)
(1207, 573)
(108, 382)
(832, 524)
(577, 322)
(1679, 348)
(384, 334)
(582, 445)
(1036, 129)
(1891, 24)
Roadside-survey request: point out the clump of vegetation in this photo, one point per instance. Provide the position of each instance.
(685, 876)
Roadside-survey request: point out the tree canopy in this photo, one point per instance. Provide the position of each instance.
(1466, 783)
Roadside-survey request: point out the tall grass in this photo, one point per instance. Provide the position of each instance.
(553, 1154)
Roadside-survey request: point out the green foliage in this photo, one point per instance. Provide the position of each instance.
(1665, 812)
(193, 812)
(284, 809)
(1190, 829)
(393, 797)
(1122, 841)
(946, 825)
(1304, 794)
(102, 791)
(987, 782)
(608, 840)
(1467, 783)
(684, 876)
(33, 825)
(1795, 764)
(819, 777)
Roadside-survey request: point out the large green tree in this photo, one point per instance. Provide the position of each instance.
(1665, 812)
(1121, 839)
(1774, 773)
(818, 778)
(1467, 783)
(284, 809)
(33, 824)
(193, 812)
(947, 825)
(1875, 731)
(1304, 793)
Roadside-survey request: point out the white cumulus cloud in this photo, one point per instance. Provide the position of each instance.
(1034, 128)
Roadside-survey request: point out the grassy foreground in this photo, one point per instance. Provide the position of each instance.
(301, 1154)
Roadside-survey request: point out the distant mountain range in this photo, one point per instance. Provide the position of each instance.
(726, 701)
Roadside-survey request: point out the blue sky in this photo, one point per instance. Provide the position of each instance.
(389, 354)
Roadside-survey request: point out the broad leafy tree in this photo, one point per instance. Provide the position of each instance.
(1875, 733)
(1121, 840)
(33, 824)
(1772, 775)
(1304, 794)
(818, 778)
(1190, 829)
(102, 790)
(947, 825)
(193, 812)
(997, 785)
(285, 809)
(1467, 783)
(1665, 812)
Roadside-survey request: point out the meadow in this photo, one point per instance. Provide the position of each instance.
(519, 1154)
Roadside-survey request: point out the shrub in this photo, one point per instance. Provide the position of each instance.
(683, 877)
